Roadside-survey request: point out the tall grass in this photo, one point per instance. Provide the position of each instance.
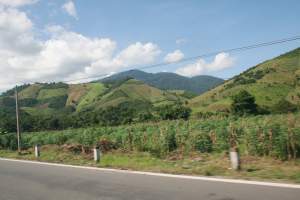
(275, 136)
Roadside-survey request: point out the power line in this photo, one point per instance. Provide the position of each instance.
(85, 78)
(238, 49)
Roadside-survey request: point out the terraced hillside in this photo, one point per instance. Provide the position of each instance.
(273, 82)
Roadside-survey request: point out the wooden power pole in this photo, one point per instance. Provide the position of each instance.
(17, 118)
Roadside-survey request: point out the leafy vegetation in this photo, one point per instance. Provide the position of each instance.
(244, 103)
(276, 136)
(172, 112)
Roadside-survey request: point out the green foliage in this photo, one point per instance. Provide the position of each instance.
(275, 136)
(203, 143)
(28, 102)
(242, 80)
(8, 141)
(283, 106)
(189, 95)
(114, 83)
(11, 92)
(244, 103)
(122, 114)
(7, 102)
(94, 93)
(87, 138)
(258, 74)
(56, 102)
(172, 112)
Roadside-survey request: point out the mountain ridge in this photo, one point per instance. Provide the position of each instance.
(169, 80)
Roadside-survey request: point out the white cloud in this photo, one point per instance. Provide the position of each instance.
(175, 56)
(70, 8)
(16, 3)
(137, 54)
(64, 55)
(220, 62)
(16, 32)
(180, 41)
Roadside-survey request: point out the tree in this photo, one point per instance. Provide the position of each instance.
(243, 103)
(172, 112)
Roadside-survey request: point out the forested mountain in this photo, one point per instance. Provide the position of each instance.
(169, 81)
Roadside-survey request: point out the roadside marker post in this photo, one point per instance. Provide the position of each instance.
(37, 152)
(235, 159)
(97, 154)
(234, 150)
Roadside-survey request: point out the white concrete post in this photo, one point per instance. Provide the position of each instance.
(37, 151)
(235, 160)
(97, 154)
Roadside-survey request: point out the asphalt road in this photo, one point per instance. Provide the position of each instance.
(30, 181)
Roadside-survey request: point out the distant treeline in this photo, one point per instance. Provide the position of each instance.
(124, 113)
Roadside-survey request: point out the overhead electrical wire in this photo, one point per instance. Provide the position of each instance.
(210, 54)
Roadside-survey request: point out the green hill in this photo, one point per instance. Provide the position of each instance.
(137, 90)
(48, 99)
(169, 81)
(272, 82)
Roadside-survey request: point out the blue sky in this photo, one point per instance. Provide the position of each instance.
(198, 27)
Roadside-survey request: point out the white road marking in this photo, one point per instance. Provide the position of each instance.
(259, 183)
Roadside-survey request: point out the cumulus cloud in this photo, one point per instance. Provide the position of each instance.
(221, 61)
(63, 55)
(175, 56)
(16, 32)
(137, 54)
(16, 3)
(70, 8)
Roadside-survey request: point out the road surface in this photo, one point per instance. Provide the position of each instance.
(33, 181)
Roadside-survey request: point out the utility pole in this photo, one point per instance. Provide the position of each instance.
(17, 118)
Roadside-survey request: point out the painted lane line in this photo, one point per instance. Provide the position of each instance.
(224, 180)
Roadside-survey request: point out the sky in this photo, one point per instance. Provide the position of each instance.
(60, 40)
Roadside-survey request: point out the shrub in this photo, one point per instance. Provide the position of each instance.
(203, 143)
(244, 103)
(106, 145)
(283, 106)
(172, 112)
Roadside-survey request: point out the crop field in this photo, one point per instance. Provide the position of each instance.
(269, 146)
(276, 136)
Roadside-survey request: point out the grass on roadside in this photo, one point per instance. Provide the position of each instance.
(253, 168)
